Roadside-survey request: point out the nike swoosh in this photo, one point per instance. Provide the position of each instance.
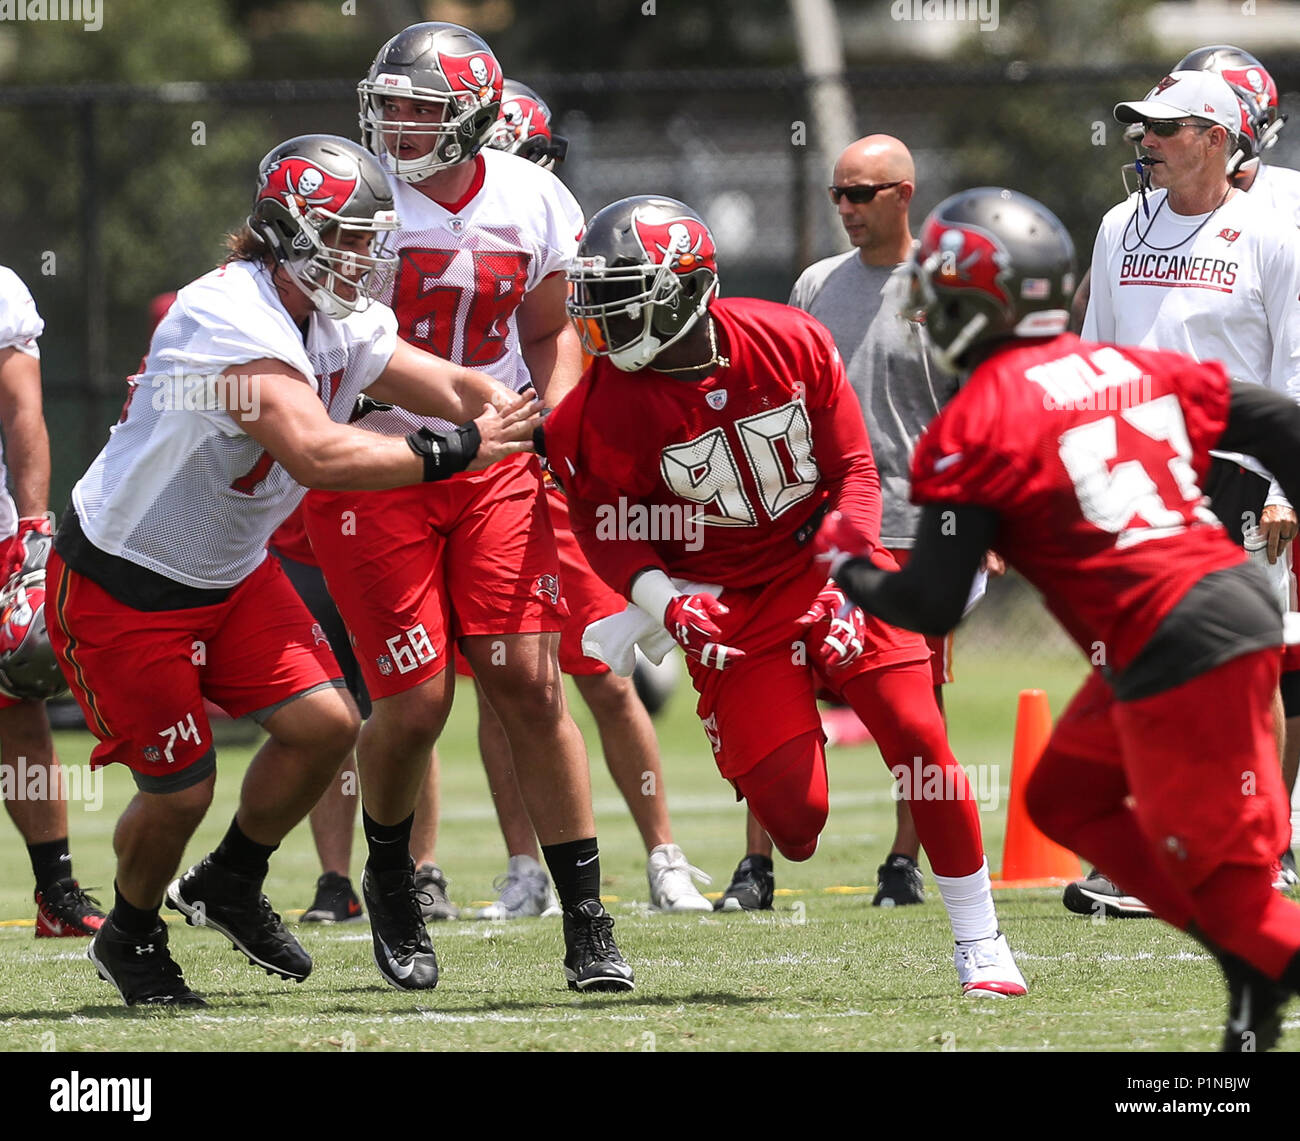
(943, 463)
(396, 967)
(584, 863)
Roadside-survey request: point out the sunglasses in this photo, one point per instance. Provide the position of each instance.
(1168, 128)
(860, 194)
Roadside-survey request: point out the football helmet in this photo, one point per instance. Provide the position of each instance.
(447, 67)
(524, 128)
(319, 187)
(990, 263)
(28, 668)
(646, 271)
(1254, 88)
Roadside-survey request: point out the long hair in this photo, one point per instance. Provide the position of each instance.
(245, 244)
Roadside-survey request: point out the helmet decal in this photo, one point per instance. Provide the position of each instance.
(477, 73)
(969, 258)
(683, 244)
(307, 185)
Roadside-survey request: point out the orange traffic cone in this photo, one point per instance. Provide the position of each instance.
(1030, 859)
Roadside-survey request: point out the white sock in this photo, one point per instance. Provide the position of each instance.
(969, 900)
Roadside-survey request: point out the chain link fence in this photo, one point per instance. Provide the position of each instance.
(117, 193)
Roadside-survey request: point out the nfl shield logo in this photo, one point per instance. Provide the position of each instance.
(457, 225)
(717, 400)
(152, 754)
(385, 664)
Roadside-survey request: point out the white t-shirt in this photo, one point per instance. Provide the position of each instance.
(1279, 187)
(180, 488)
(20, 325)
(1221, 286)
(462, 272)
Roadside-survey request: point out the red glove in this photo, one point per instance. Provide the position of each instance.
(30, 547)
(837, 540)
(690, 620)
(840, 639)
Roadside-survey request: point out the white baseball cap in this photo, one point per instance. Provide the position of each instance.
(1198, 93)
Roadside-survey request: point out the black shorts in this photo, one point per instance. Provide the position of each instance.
(1236, 496)
(309, 582)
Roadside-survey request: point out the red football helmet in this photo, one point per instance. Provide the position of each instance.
(28, 668)
(1254, 88)
(524, 128)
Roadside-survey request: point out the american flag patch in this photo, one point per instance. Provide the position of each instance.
(1035, 289)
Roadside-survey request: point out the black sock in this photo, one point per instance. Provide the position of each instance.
(758, 860)
(390, 844)
(132, 920)
(575, 868)
(237, 853)
(51, 862)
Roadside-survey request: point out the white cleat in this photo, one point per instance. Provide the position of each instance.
(671, 886)
(986, 967)
(524, 891)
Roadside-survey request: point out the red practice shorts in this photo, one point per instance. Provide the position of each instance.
(940, 648)
(140, 676)
(757, 705)
(414, 567)
(1200, 763)
(589, 597)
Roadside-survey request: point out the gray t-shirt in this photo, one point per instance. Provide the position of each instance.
(888, 365)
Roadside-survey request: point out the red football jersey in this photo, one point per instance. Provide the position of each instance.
(1092, 456)
(713, 480)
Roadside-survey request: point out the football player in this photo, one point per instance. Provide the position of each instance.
(161, 590)
(485, 239)
(28, 673)
(1082, 463)
(699, 452)
(626, 732)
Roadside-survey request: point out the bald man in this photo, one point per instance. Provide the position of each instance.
(858, 298)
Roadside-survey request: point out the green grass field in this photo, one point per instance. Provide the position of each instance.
(824, 971)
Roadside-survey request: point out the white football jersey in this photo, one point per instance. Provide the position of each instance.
(180, 488)
(20, 325)
(462, 271)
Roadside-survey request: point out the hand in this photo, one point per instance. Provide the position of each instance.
(838, 540)
(995, 566)
(504, 434)
(29, 549)
(689, 618)
(846, 627)
(1278, 525)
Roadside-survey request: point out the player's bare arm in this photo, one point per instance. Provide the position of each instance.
(548, 341)
(27, 445)
(291, 424)
(431, 386)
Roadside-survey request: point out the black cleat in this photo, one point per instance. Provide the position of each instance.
(403, 951)
(233, 905)
(142, 970)
(1255, 1005)
(752, 886)
(1097, 895)
(898, 882)
(335, 901)
(65, 909)
(431, 891)
(591, 959)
